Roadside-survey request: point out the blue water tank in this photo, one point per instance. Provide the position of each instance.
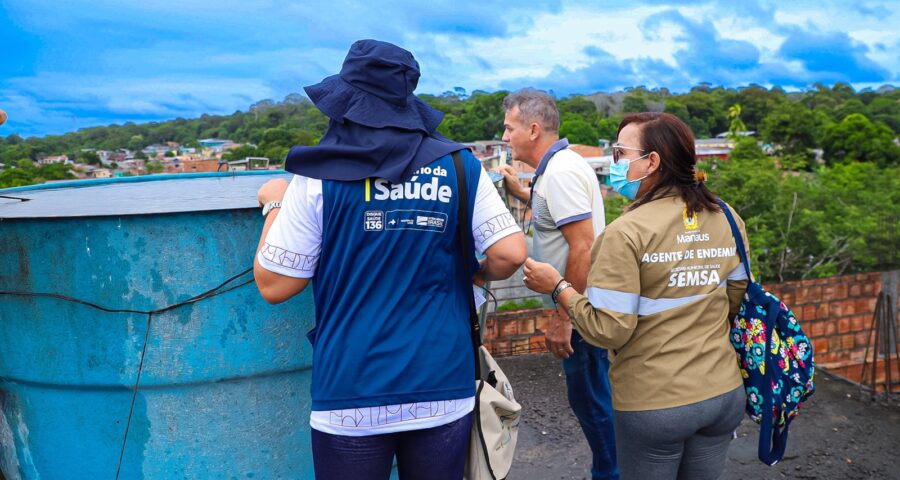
(224, 386)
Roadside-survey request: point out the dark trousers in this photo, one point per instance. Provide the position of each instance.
(437, 453)
(587, 382)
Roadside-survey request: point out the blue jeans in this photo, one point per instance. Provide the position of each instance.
(587, 382)
(434, 453)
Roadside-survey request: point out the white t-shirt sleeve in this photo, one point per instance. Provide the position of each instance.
(294, 242)
(491, 221)
(569, 199)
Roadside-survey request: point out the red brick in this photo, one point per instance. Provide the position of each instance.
(834, 343)
(817, 329)
(866, 306)
(537, 344)
(501, 347)
(855, 290)
(869, 289)
(847, 343)
(859, 323)
(809, 312)
(521, 346)
(827, 292)
(840, 291)
(861, 339)
(525, 326)
(848, 307)
(508, 328)
(836, 309)
(841, 356)
(814, 294)
(489, 332)
(541, 323)
(853, 372)
(822, 311)
(820, 345)
(787, 298)
(830, 328)
(843, 325)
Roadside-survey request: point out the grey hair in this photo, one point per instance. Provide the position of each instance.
(536, 106)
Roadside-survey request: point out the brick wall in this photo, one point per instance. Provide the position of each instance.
(835, 312)
(516, 332)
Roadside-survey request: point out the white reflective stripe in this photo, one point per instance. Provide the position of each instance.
(649, 306)
(616, 301)
(739, 273)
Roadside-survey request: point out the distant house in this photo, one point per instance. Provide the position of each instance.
(99, 173)
(718, 148)
(248, 163)
(156, 150)
(54, 159)
(743, 133)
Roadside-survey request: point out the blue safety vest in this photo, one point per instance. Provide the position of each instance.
(390, 291)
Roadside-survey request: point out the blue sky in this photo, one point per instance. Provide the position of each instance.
(71, 64)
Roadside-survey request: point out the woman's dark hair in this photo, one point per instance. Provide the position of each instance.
(673, 141)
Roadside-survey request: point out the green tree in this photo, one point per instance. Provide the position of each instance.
(154, 167)
(577, 107)
(737, 125)
(886, 110)
(240, 153)
(579, 131)
(678, 109)
(609, 127)
(89, 157)
(856, 138)
(16, 177)
(634, 103)
(756, 102)
(794, 128)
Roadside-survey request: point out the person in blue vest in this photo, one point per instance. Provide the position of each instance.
(370, 218)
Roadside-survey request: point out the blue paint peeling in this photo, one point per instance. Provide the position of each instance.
(225, 385)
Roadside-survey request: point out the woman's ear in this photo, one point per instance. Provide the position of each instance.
(653, 163)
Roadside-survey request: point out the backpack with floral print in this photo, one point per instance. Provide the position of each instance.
(775, 358)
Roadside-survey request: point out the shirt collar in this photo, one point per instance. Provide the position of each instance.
(560, 144)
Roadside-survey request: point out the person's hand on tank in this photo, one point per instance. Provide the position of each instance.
(272, 191)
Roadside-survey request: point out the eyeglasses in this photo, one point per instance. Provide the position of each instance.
(618, 150)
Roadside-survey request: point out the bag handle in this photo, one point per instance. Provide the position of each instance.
(463, 225)
(738, 238)
(772, 440)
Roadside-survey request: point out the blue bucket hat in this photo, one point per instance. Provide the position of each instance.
(375, 89)
(377, 127)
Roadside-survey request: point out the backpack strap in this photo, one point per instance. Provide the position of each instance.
(738, 238)
(463, 224)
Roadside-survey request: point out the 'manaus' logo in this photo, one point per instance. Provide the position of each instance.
(691, 222)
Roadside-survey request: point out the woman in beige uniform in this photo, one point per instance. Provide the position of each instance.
(665, 281)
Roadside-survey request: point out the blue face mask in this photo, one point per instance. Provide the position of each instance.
(618, 178)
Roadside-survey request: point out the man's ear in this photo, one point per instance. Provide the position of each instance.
(535, 131)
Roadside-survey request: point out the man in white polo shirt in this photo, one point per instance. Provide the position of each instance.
(567, 215)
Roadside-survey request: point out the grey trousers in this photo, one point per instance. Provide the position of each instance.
(687, 442)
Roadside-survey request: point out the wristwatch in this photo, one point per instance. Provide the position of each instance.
(269, 206)
(560, 286)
